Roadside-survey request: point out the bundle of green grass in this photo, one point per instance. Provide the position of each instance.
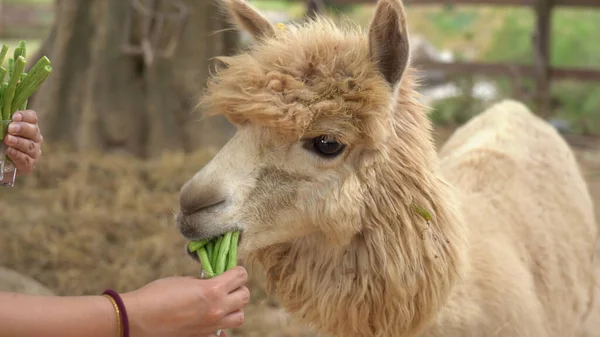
(19, 85)
(218, 254)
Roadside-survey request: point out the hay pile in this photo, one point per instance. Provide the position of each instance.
(84, 223)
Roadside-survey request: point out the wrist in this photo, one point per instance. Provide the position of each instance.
(112, 311)
(131, 302)
(120, 312)
(109, 314)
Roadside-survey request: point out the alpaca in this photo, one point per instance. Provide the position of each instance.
(362, 227)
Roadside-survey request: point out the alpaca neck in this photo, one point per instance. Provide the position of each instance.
(391, 280)
(396, 275)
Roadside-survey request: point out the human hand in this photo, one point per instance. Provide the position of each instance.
(187, 306)
(24, 141)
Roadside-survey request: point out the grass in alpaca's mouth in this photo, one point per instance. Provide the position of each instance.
(195, 257)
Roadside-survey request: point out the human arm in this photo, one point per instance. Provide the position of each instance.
(24, 315)
(24, 141)
(175, 306)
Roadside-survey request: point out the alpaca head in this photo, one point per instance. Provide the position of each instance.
(313, 108)
(331, 150)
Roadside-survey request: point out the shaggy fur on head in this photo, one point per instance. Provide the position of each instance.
(291, 81)
(508, 250)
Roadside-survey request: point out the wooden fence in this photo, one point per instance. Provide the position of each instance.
(541, 70)
(543, 73)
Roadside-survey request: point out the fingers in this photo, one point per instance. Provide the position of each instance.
(232, 320)
(25, 130)
(226, 295)
(27, 116)
(27, 146)
(23, 162)
(24, 140)
(233, 279)
(233, 305)
(236, 300)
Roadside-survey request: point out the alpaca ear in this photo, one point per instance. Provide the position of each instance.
(249, 19)
(388, 40)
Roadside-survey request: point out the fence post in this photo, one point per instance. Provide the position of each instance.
(541, 56)
(314, 7)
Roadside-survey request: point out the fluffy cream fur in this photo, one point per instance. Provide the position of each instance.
(509, 249)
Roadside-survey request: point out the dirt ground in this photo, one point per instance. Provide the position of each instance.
(82, 224)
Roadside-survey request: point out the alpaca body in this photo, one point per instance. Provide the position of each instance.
(531, 228)
(526, 269)
(330, 170)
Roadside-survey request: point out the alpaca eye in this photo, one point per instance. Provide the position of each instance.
(325, 146)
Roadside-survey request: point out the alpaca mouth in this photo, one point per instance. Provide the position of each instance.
(194, 255)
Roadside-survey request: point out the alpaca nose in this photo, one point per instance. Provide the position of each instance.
(193, 199)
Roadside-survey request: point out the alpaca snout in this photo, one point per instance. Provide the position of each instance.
(198, 226)
(204, 213)
(194, 199)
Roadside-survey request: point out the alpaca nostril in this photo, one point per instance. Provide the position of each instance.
(189, 209)
(192, 200)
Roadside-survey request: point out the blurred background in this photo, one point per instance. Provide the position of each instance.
(122, 132)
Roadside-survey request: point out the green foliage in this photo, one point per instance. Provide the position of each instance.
(504, 35)
(573, 36)
(458, 109)
(453, 20)
(512, 42)
(579, 103)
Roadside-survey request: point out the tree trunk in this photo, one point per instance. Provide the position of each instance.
(101, 98)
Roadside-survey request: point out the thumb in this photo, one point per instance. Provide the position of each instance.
(232, 279)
